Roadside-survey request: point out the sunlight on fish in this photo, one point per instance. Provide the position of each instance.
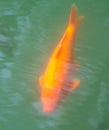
(57, 82)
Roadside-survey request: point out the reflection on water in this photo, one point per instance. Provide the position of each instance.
(29, 30)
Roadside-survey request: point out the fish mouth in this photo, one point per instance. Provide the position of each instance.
(48, 106)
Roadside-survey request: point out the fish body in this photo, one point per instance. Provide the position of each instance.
(56, 82)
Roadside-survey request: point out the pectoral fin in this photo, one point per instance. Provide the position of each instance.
(75, 84)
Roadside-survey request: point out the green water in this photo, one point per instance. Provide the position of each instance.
(29, 31)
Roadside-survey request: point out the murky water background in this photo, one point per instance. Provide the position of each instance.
(29, 31)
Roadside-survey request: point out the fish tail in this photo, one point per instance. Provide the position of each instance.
(65, 46)
(72, 14)
(73, 19)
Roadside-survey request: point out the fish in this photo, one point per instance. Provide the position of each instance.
(56, 82)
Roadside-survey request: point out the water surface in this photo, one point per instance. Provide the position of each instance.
(29, 31)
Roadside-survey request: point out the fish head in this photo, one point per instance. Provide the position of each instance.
(50, 95)
(49, 98)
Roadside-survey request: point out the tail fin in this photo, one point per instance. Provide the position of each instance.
(72, 14)
(73, 19)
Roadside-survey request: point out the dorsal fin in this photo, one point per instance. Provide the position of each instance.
(61, 43)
